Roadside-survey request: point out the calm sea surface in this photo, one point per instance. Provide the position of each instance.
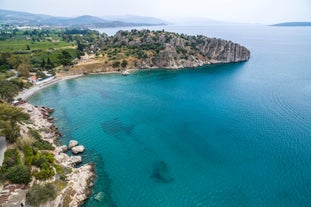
(220, 135)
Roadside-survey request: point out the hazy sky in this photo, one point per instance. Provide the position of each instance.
(248, 11)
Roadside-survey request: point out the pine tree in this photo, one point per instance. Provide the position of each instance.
(43, 63)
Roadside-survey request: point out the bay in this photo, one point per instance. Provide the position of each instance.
(219, 135)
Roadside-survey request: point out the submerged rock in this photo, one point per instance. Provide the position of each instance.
(99, 196)
(160, 172)
(115, 126)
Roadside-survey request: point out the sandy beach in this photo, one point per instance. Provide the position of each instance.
(26, 94)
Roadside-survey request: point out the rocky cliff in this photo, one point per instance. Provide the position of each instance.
(160, 49)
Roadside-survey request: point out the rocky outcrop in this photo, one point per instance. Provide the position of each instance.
(79, 181)
(78, 149)
(72, 143)
(78, 187)
(159, 49)
(67, 160)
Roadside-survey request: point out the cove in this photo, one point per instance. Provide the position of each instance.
(219, 135)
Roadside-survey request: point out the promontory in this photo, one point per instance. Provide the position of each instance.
(140, 49)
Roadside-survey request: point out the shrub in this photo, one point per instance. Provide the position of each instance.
(19, 174)
(35, 134)
(43, 145)
(24, 141)
(49, 157)
(28, 155)
(58, 168)
(41, 194)
(11, 158)
(46, 171)
(40, 143)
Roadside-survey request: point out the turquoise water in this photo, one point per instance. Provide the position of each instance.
(219, 135)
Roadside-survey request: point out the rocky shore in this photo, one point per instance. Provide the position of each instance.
(78, 180)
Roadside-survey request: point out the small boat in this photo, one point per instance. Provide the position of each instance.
(125, 73)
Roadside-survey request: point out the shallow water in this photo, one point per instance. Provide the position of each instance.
(219, 135)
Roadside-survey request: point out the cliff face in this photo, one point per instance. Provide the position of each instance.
(159, 49)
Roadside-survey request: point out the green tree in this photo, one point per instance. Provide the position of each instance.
(4, 65)
(15, 60)
(65, 58)
(23, 69)
(43, 63)
(116, 64)
(10, 116)
(27, 47)
(7, 91)
(80, 46)
(40, 74)
(124, 63)
(49, 64)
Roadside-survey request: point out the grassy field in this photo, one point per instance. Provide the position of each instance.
(13, 45)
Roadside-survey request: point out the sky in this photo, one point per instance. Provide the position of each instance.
(243, 11)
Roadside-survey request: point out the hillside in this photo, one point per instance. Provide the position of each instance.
(87, 21)
(159, 49)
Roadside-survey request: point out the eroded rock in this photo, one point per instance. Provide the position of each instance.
(78, 149)
(72, 143)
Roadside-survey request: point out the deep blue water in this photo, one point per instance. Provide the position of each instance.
(219, 135)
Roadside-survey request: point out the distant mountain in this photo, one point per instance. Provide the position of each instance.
(293, 24)
(85, 19)
(136, 19)
(29, 19)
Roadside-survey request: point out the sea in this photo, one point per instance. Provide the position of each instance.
(229, 135)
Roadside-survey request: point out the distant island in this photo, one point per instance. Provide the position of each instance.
(17, 18)
(293, 24)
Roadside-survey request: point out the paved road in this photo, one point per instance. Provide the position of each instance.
(3, 146)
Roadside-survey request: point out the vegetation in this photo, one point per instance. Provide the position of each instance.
(12, 168)
(38, 194)
(19, 174)
(35, 50)
(31, 52)
(10, 116)
(40, 143)
(11, 158)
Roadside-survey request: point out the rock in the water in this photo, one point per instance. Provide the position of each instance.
(99, 196)
(72, 143)
(160, 172)
(78, 149)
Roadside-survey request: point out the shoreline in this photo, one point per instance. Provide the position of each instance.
(79, 180)
(26, 94)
